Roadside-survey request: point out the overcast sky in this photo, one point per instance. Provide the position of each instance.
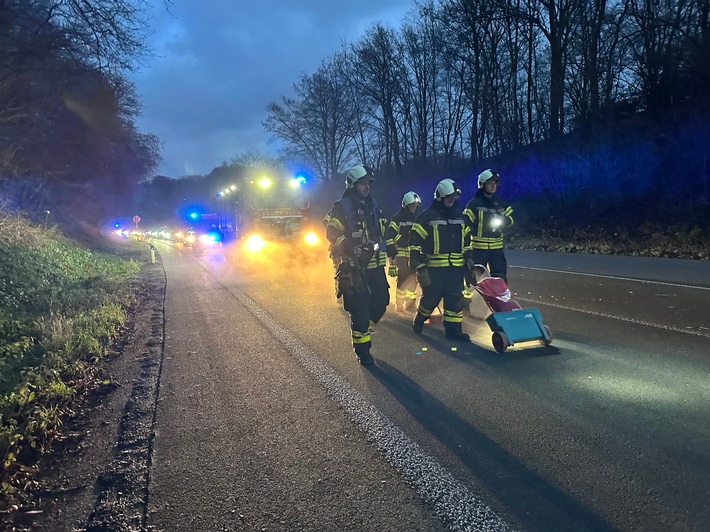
(220, 62)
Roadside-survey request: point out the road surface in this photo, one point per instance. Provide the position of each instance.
(265, 421)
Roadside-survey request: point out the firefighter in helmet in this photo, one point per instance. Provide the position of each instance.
(397, 239)
(436, 254)
(355, 230)
(486, 217)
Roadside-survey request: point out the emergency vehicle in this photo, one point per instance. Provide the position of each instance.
(265, 216)
(204, 236)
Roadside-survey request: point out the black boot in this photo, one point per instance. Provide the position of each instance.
(454, 332)
(418, 323)
(363, 355)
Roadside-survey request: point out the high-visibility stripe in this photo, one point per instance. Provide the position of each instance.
(337, 224)
(437, 242)
(417, 228)
(453, 317)
(425, 312)
(441, 261)
(360, 337)
(487, 244)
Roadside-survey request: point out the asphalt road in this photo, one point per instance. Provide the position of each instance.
(265, 421)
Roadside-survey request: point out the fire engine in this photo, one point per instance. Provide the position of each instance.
(264, 216)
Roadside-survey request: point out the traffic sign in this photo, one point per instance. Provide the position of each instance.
(136, 219)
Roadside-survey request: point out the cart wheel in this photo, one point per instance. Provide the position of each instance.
(500, 341)
(549, 335)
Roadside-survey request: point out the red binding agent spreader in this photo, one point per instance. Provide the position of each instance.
(509, 322)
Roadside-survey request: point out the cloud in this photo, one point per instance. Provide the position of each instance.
(219, 63)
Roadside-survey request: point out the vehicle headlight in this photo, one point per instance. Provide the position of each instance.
(209, 238)
(311, 239)
(254, 243)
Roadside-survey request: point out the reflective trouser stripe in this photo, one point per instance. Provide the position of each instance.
(425, 312)
(360, 337)
(453, 317)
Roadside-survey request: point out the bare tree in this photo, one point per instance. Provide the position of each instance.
(596, 60)
(556, 20)
(379, 76)
(422, 48)
(658, 36)
(318, 125)
(67, 108)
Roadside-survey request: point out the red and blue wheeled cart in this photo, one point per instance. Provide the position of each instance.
(509, 322)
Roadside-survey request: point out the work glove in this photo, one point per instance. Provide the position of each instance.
(423, 277)
(358, 251)
(345, 281)
(392, 271)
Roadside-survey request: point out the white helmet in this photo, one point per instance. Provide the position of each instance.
(446, 187)
(411, 197)
(356, 173)
(485, 176)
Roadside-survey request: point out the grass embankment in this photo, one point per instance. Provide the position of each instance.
(61, 305)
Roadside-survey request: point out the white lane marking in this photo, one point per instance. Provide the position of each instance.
(458, 508)
(614, 277)
(615, 317)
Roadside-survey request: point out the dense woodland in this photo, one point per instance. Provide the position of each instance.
(595, 112)
(606, 98)
(68, 143)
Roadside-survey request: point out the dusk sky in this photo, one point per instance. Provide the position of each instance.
(220, 62)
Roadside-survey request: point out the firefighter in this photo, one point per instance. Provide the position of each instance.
(355, 231)
(397, 239)
(486, 216)
(436, 254)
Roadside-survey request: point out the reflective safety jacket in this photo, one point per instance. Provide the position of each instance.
(437, 237)
(397, 233)
(351, 223)
(486, 218)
